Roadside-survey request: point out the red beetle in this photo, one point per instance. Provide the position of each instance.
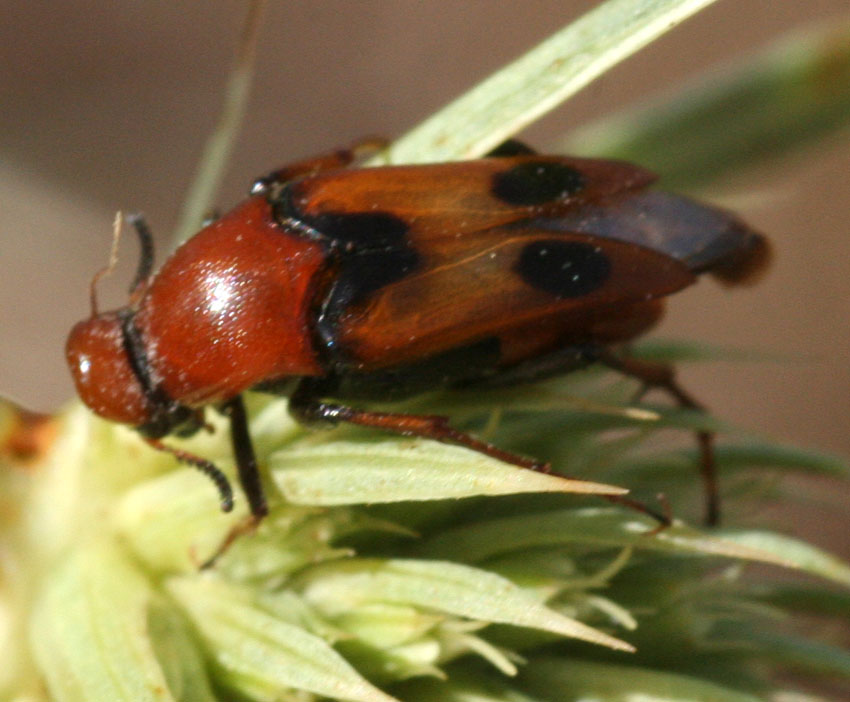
(379, 283)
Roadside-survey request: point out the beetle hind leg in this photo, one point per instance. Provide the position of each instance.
(307, 407)
(662, 376)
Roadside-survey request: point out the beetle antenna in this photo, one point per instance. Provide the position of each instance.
(222, 484)
(146, 256)
(110, 266)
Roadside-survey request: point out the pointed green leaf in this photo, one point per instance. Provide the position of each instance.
(593, 525)
(220, 142)
(767, 455)
(731, 458)
(258, 653)
(684, 350)
(785, 651)
(795, 553)
(343, 472)
(794, 93)
(579, 681)
(442, 587)
(99, 633)
(515, 96)
(807, 598)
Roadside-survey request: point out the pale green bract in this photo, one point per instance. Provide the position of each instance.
(403, 569)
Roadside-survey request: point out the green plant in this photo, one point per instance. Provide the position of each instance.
(406, 569)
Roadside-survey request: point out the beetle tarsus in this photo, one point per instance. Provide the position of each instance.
(663, 377)
(246, 525)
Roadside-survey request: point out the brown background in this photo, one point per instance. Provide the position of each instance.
(106, 105)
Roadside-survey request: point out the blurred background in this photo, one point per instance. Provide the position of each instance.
(107, 106)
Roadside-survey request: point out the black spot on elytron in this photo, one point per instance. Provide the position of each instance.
(537, 182)
(361, 231)
(565, 269)
(359, 275)
(347, 231)
(366, 251)
(363, 273)
(511, 147)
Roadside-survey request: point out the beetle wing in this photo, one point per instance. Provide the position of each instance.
(704, 238)
(372, 208)
(557, 285)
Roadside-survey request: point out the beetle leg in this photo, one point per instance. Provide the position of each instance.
(246, 460)
(249, 478)
(663, 377)
(307, 408)
(340, 158)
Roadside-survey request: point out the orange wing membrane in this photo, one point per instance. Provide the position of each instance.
(509, 278)
(555, 250)
(364, 208)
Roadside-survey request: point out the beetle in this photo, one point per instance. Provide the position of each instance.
(335, 285)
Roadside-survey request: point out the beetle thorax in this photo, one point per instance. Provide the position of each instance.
(230, 309)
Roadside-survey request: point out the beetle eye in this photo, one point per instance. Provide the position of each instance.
(102, 372)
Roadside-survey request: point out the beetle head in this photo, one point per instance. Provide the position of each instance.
(105, 378)
(108, 360)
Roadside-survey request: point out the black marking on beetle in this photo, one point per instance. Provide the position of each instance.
(510, 148)
(287, 215)
(137, 355)
(365, 272)
(463, 365)
(346, 231)
(361, 231)
(365, 250)
(165, 413)
(566, 269)
(359, 274)
(537, 182)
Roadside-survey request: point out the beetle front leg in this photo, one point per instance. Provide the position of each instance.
(340, 158)
(307, 407)
(249, 478)
(663, 377)
(246, 460)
